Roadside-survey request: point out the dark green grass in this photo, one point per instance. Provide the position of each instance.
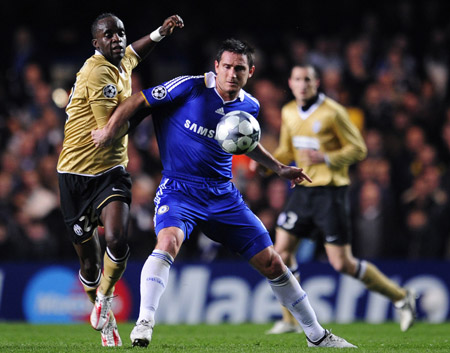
(248, 338)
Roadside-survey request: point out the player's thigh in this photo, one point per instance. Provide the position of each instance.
(341, 257)
(175, 207)
(77, 194)
(239, 229)
(332, 215)
(286, 245)
(115, 217)
(285, 241)
(296, 217)
(83, 199)
(113, 199)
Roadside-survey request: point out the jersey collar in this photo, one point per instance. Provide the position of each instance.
(306, 114)
(121, 70)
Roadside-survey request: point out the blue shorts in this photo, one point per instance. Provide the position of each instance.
(218, 209)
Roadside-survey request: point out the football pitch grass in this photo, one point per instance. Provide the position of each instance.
(226, 338)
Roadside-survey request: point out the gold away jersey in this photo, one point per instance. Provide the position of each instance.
(324, 127)
(99, 88)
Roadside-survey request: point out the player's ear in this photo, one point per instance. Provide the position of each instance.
(95, 43)
(216, 66)
(251, 71)
(290, 82)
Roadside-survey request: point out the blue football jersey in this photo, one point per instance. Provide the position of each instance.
(185, 112)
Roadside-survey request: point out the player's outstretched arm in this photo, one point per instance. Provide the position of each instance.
(145, 45)
(104, 137)
(294, 174)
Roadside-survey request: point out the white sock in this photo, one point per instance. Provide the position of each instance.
(291, 295)
(361, 269)
(154, 278)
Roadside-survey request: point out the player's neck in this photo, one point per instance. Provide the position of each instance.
(228, 96)
(307, 103)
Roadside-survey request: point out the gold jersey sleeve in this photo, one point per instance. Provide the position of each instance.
(326, 128)
(98, 90)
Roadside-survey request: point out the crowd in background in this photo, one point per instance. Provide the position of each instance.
(389, 68)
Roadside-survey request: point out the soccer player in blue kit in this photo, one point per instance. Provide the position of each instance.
(196, 187)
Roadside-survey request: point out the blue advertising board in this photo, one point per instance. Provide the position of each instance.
(219, 292)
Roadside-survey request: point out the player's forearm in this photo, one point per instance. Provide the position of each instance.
(123, 113)
(143, 46)
(263, 157)
(347, 155)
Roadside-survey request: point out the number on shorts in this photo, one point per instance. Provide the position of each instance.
(290, 219)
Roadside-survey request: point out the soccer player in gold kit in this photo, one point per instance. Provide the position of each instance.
(317, 134)
(95, 188)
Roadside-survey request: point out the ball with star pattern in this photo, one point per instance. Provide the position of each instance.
(238, 132)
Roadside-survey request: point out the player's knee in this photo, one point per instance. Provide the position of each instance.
(170, 242)
(273, 266)
(116, 242)
(343, 266)
(115, 234)
(278, 266)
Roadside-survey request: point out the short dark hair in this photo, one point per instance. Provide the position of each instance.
(239, 47)
(100, 17)
(306, 65)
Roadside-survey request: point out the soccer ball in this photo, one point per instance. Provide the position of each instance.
(238, 132)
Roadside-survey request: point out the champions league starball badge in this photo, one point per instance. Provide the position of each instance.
(110, 91)
(159, 92)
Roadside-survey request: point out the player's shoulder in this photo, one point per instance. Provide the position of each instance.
(291, 105)
(97, 68)
(181, 86)
(289, 111)
(333, 105)
(130, 53)
(130, 60)
(184, 81)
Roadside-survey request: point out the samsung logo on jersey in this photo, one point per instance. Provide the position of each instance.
(199, 129)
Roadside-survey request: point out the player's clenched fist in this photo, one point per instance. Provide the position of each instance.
(170, 23)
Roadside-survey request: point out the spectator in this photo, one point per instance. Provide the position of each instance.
(397, 76)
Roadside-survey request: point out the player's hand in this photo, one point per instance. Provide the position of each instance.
(170, 24)
(100, 138)
(295, 175)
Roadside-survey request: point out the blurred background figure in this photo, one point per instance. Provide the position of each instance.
(393, 77)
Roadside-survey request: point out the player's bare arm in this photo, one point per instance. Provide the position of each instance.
(294, 174)
(104, 137)
(145, 45)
